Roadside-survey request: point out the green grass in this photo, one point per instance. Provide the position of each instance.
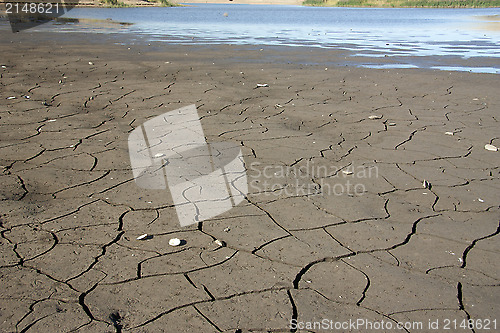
(113, 3)
(118, 3)
(406, 3)
(452, 3)
(166, 3)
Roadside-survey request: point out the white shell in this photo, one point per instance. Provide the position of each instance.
(480, 200)
(262, 85)
(91, 63)
(347, 172)
(490, 147)
(449, 133)
(142, 237)
(218, 242)
(11, 97)
(174, 242)
(426, 184)
(159, 155)
(373, 117)
(391, 124)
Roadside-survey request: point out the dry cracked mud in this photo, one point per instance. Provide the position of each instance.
(303, 246)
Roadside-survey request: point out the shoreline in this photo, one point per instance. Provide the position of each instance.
(275, 54)
(314, 3)
(327, 3)
(336, 53)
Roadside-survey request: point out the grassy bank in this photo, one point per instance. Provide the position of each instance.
(114, 3)
(406, 3)
(118, 3)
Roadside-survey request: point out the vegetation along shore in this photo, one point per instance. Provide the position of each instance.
(326, 3)
(406, 3)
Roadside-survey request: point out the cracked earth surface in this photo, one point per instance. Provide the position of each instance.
(394, 251)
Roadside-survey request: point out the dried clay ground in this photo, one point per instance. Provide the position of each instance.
(394, 251)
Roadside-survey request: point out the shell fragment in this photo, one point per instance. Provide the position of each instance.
(174, 242)
(490, 147)
(375, 116)
(141, 237)
(261, 85)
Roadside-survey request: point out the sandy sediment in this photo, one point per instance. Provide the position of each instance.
(304, 246)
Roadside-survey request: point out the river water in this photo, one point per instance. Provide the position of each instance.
(450, 39)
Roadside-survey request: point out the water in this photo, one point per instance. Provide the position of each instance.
(462, 39)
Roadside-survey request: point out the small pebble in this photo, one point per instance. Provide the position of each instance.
(91, 63)
(174, 242)
(449, 133)
(219, 242)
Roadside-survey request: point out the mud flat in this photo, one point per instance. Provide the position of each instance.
(361, 206)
